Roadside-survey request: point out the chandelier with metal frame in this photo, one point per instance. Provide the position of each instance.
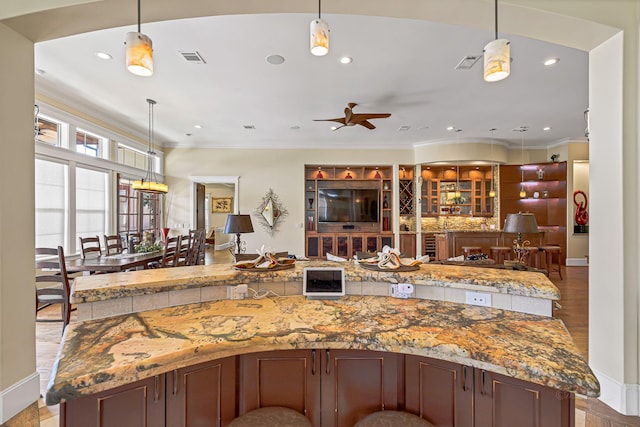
(150, 182)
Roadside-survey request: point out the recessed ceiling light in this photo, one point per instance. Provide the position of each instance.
(103, 55)
(546, 128)
(404, 128)
(346, 60)
(294, 127)
(275, 59)
(450, 128)
(197, 126)
(551, 61)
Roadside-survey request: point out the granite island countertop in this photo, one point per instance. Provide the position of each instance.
(97, 355)
(101, 287)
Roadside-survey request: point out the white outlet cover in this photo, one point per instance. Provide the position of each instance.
(478, 298)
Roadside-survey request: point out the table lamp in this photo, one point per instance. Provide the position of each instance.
(238, 224)
(520, 223)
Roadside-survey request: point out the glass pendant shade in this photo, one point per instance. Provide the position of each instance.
(497, 60)
(150, 187)
(458, 193)
(319, 37)
(492, 193)
(139, 54)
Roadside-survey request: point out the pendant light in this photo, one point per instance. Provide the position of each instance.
(139, 52)
(523, 193)
(458, 193)
(492, 191)
(150, 182)
(497, 56)
(319, 35)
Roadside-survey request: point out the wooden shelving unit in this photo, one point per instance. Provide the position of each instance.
(345, 242)
(546, 197)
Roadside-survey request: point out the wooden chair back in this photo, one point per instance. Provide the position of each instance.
(90, 247)
(112, 244)
(198, 246)
(52, 283)
(184, 250)
(170, 252)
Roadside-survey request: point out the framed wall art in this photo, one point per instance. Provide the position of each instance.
(222, 205)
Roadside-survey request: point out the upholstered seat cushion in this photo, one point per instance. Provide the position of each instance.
(392, 419)
(271, 417)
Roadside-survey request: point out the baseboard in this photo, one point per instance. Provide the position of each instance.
(19, 396)
(577, 262)
(624, 398)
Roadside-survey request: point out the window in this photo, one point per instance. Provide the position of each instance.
(131, 157)
(137, 211)
(91, 202)
(51, 202)
(47, 131)
(88, 143)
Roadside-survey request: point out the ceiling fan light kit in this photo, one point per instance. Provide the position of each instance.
(497, 56)
(139, 52)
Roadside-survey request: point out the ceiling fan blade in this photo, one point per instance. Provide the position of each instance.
(367, 124)
(338, 120)
(367, 116)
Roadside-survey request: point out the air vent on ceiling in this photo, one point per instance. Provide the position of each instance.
(467, 62)
(193, 57)
(249, 127)
(404, 128)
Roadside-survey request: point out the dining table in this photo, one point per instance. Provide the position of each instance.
(112, 263)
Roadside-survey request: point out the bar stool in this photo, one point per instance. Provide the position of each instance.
(468, 250)
(392, 418)
(271, 416)
(550, 251)
(500, 253)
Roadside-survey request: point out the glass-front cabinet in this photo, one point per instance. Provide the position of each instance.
(460, 190)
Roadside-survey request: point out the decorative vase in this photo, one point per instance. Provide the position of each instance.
(165, 233)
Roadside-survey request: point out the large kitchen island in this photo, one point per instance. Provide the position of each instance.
(333, 360)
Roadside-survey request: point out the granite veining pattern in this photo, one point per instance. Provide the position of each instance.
(127, 284)
(100, 354)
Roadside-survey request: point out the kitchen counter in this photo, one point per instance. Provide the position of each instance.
(119, 293)
(97, 355)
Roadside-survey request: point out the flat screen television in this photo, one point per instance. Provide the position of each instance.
(348, 205)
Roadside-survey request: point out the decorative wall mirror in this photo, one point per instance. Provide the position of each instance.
(270, 212)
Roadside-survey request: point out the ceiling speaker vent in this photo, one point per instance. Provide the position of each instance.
(193, 57)
(467, 62)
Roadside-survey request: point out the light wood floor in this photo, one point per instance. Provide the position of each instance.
(574, 313)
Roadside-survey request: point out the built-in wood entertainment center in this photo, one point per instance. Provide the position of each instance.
(348, 209)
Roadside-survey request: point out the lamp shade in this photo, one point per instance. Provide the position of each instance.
(497, 60)
(521, 223)
(319, 37)
(238, 224)
(139, 54)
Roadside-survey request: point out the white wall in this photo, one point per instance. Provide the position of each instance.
(260, 170)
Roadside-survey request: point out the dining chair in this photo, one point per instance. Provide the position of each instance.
(90, 247)
(184, 249)
(170, 252)
(198, 245)
(112, 244)
(52, 283)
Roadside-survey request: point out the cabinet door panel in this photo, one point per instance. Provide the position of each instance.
(357, 383)
(281, 378)
(202, 395)
(140, 404)
(505, 402)
(438, 391)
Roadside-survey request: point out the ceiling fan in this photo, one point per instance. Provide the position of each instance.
(351, 119)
